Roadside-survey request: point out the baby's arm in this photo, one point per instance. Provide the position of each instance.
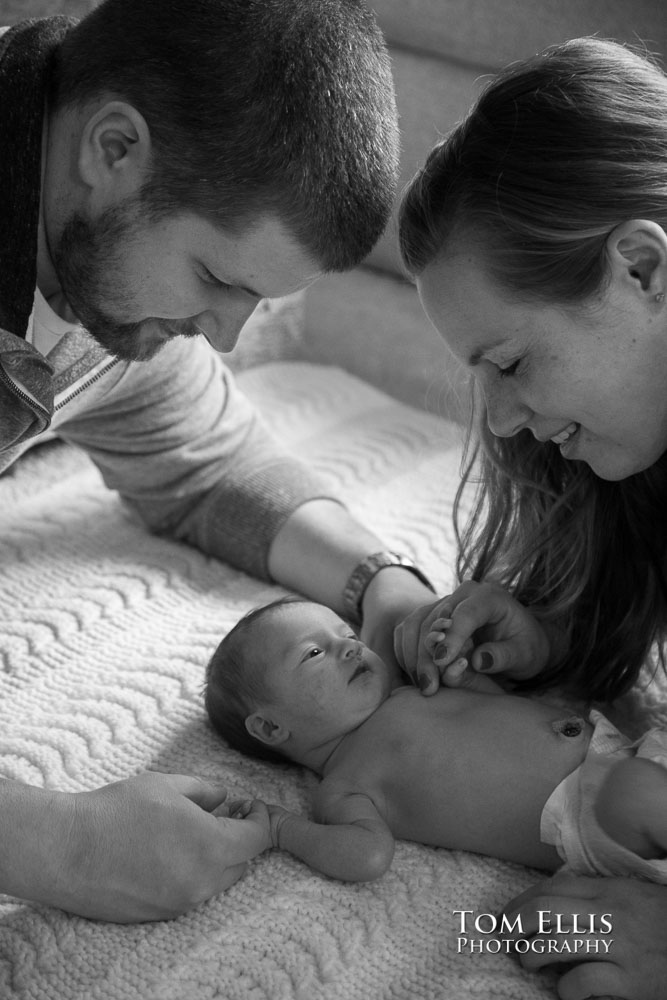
(352, 842)
(631, 806)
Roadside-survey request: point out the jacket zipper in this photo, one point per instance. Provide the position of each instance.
(32, 403)
(85, 385)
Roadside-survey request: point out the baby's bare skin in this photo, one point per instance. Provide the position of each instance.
(460, 770)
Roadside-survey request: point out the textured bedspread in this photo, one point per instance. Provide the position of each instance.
(104, 634)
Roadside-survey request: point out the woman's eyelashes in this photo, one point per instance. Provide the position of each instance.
(510, 369)
(210, 279)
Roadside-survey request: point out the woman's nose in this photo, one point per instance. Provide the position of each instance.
(505, 414)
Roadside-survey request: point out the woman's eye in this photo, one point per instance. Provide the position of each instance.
(211, 279)
(510, 370)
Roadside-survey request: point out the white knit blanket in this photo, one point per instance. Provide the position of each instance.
(104, 635)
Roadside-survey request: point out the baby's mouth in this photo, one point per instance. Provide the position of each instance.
(361, 669)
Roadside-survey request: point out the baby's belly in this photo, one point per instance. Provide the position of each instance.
(473, 772)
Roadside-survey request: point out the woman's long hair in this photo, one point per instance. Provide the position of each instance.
(585, 554)
(556, 152)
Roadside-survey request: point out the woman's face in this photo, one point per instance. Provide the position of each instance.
(591, 379)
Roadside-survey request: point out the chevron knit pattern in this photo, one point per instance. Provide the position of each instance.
(104, 635)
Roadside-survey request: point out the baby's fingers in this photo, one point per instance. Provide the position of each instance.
(460, 674)
(437, 635)
(234, 808)
(454, 675)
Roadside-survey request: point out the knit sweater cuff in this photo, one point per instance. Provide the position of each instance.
(238, 520)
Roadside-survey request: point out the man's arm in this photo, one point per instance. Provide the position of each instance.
(147, 848)
(352, 843)
(183, 446)
(317, 550)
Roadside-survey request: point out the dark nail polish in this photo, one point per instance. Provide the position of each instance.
(440, 651)
(486, 661)
(423, 682)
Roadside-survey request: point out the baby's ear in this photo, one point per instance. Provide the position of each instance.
(266, 730)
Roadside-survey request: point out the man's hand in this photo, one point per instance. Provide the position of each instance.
(624, 956)
(148, 848)
(257, 821)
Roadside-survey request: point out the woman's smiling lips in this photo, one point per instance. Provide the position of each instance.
(563, 436)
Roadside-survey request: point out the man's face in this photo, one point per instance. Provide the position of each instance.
(135, 283)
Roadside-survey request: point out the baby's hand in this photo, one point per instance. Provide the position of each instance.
(479, 621)
(235, 808)
(255, 814)
(459, 673)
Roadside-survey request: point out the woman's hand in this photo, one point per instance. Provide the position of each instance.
(632, 967)
(491, 628)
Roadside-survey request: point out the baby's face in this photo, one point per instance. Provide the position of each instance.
(322, 681)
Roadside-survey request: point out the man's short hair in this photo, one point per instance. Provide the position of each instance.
(255, 107)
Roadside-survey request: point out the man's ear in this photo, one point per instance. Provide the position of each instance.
(114, 151)
(637, 253)
(266, 730)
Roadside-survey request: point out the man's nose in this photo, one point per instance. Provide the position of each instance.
(222, 327)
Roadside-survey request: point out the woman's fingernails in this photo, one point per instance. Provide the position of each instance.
(440, 651)
(485, 662)
(423, 681)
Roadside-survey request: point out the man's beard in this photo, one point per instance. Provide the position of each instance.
(87, 260)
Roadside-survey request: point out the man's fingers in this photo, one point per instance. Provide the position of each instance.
(207, 794)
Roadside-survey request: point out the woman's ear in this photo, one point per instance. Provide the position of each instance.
(264, 729)
(637, 253)
(114, 151)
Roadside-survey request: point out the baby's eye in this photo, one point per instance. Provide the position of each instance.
(315, 651)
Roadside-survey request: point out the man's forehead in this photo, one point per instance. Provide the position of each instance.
(264, 258)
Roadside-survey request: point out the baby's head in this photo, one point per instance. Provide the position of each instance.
(290, 680)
